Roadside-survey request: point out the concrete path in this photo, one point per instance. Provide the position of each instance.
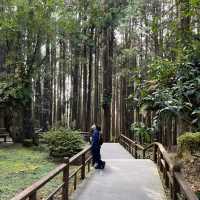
(123, 178)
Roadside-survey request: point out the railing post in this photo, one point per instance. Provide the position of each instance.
(165, 174)
(83, 167)
(175, 187)
(119, 139)
(89, 163)
(33, 196)
(75, 181)
(65, 189)
(136, 152)
(143, 154)
(155, 153)
(131, 149)
(159, 157)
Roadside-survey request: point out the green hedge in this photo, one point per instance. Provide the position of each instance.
(189, 142)
(63, 142)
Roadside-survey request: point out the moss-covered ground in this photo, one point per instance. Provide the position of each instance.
(20, 167)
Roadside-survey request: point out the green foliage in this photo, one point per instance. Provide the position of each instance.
(189, 142)
(63, 142)
(155, 28)
(162, 70)
(166, 79)
(14, 91)
(20, 167)
(140, 130)
(173, 89)
(25, 28)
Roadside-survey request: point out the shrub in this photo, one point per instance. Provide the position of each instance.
(140, 130)
(63, 142)
(189, 142)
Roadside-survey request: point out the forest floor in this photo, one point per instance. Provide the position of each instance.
(191, 170)
(20, 167)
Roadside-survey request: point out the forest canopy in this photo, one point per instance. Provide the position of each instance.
(114, 63)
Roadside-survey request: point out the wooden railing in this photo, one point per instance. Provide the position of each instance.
(173, 179)
(31, 192)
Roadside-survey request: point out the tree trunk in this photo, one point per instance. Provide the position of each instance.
(84, 108)
(90, 80)
(46, 99)
(38, 102)
(96, 79)
(28, 130)
(108, 40)
(75, 88)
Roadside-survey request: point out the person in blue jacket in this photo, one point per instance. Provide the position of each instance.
(96, 146)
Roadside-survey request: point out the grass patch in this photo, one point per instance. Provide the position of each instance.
(20, 167)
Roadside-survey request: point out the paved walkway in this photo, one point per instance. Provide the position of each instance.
(123, 178)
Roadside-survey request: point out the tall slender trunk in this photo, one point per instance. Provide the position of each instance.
(28, 129)
(108, 40)
(46, 99)
(38, 102)
(75, 88)
(96, 79)
(54, 85)
(90, 80)
(84, 107)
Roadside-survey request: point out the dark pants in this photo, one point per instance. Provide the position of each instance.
(96, 157)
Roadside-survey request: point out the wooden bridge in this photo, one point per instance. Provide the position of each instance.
(124, 177)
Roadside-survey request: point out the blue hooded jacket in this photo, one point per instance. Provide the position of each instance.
(95, 139)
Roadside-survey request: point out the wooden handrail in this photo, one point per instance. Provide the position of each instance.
(163, 151)
(37, 185)
(31, 191)
(185, 188)
(171, 172)
(75, 157)
(132, 142)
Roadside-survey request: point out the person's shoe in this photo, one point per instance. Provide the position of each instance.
(98, 167)
(103, 164)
